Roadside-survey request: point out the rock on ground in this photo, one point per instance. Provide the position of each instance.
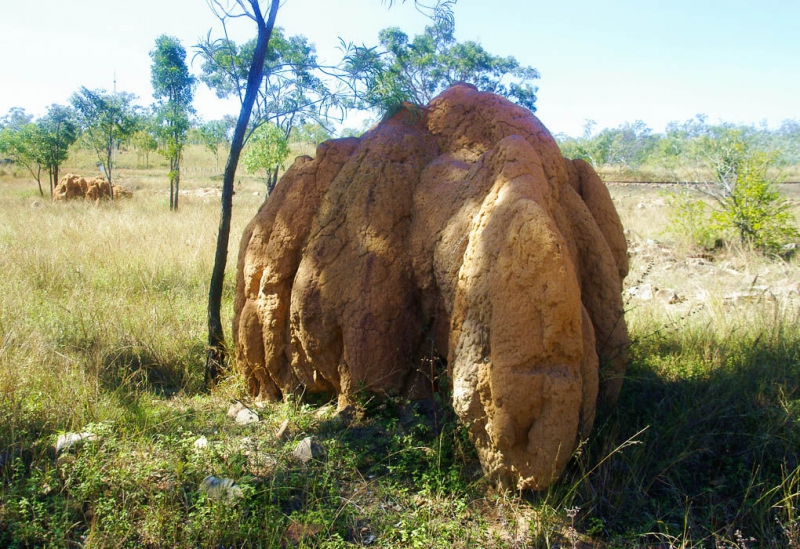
(307, 449)
(452, 233)
(234, 409)
(69, 440)
(246, 417)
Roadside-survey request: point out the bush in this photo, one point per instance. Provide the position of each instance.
(690, 220)
(754, 209)
(746, 204)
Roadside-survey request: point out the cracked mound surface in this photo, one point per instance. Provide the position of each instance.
(458, 235)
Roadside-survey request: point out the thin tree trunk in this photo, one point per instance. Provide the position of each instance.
(177, 181)
(216, 354)
(108, 166)
(171, 186)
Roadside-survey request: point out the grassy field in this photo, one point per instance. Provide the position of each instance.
(102, 329)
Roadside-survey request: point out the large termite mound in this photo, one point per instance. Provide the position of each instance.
(455, 233)
(73, 187)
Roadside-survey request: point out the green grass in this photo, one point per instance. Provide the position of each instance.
(714, 415)
(102, 329)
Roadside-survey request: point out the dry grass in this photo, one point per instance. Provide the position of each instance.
(102, 326)
(94, 295)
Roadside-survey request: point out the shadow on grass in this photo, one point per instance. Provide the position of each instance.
(719, 436)
(715, 421)
(137, 368)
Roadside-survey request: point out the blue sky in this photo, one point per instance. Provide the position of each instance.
(611, 61)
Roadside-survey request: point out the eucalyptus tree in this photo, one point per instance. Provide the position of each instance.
(42, 145)
(22, 143)
(144, 139)
(173, 88)
(401, 69)
(310, 132)
(267, 150)
(227, 71)
(105, 119)
(213, 134)
(15, 118)
(292, 91)
(58, 131)
(216, 354)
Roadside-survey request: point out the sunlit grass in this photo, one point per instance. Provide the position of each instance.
(102, 328)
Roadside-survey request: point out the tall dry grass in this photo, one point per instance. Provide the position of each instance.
(98, 296)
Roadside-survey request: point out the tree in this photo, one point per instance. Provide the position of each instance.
(23, 144)
(787, 140)
(212, 134)
(748, 201)
(15, 119)
(39, 146)
(105, 119)
(405, 70)
(267, 150)
(58, 130)
(292, 91)
(145, 143)
(629, 145)
(215, 356)
(173, 88)
(310, 132)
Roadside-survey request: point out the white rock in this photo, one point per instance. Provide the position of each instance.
(68, 440)
(307, 449)
(246, 417)
(235, 408)
(201, 443)
(645, 292)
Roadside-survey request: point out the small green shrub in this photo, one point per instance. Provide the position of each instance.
(754, 209)
(746, 205)
(690, 220)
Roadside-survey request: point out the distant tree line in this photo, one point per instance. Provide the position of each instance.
(683, 149)
(730, 173)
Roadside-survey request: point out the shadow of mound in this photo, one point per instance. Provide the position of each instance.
(704, 441)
